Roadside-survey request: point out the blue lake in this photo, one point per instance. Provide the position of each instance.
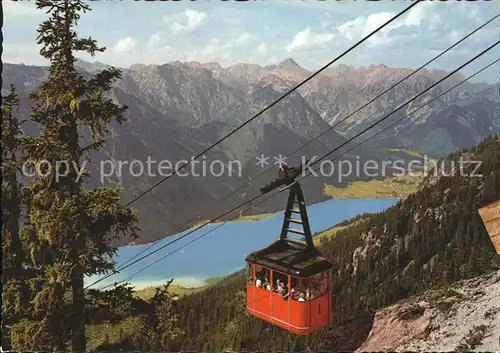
(222, 251)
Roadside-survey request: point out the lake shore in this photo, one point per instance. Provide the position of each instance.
(176, 288)
(393, 187)
(224, 253)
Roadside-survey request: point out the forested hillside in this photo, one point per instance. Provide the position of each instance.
(433, 237)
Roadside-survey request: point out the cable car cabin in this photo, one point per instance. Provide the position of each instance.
(289, 282)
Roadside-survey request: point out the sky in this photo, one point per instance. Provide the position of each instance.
(267, 32)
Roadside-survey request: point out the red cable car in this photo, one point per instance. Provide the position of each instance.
(289, 282)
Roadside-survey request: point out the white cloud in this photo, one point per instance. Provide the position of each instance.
(214, 46)
(220, 50)
(157, 42)
(227, 51)
(425, 11)
(28, 54)
(21, 9)
(470, 11)
(307, 39)
(194, 19)
(374, 21)
(124, 45)
(416, 15)
(352, 29)
(262, 48)
(455, 36)
(233, 21)
(243, 38)
(215, 50)
(362, 26)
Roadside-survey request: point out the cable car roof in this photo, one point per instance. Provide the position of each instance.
(292, 257)
(288, 255)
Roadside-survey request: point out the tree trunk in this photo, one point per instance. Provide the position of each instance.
(78, 339)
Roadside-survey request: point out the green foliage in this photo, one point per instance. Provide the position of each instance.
(31, 335)
(113, 306)
(117, 319)
(15, 292)
(69, 231)
(12, 255)
(164, 321)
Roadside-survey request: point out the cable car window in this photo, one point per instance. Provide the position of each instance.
(299, 289)
(259, 276)
(279, 280)
(250, 275)
(280, 284)
(262, 277)
(319, 285)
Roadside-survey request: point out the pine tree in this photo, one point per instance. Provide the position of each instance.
(165, 326)
(13, 273)
(70, 229)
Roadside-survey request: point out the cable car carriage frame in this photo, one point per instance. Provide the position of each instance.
(303, 304)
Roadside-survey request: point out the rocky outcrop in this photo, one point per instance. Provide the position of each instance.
(463, 317)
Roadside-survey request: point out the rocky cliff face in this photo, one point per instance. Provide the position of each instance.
(459, 120)
(463, 318)
(177, 110)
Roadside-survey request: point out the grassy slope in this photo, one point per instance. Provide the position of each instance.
(331, 232)
(258, 217)
(177, 289)
(398, 187)
(408, 152)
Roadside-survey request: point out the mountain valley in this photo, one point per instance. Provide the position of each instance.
(177, 110)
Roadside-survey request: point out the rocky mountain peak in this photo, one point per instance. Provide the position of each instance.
(289, 64)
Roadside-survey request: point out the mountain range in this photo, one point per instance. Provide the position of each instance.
(177, 110)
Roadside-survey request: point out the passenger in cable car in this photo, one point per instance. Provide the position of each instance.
(258, 283)
(301, 297)
(283, 291)
(299, 287)
(267, 285)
